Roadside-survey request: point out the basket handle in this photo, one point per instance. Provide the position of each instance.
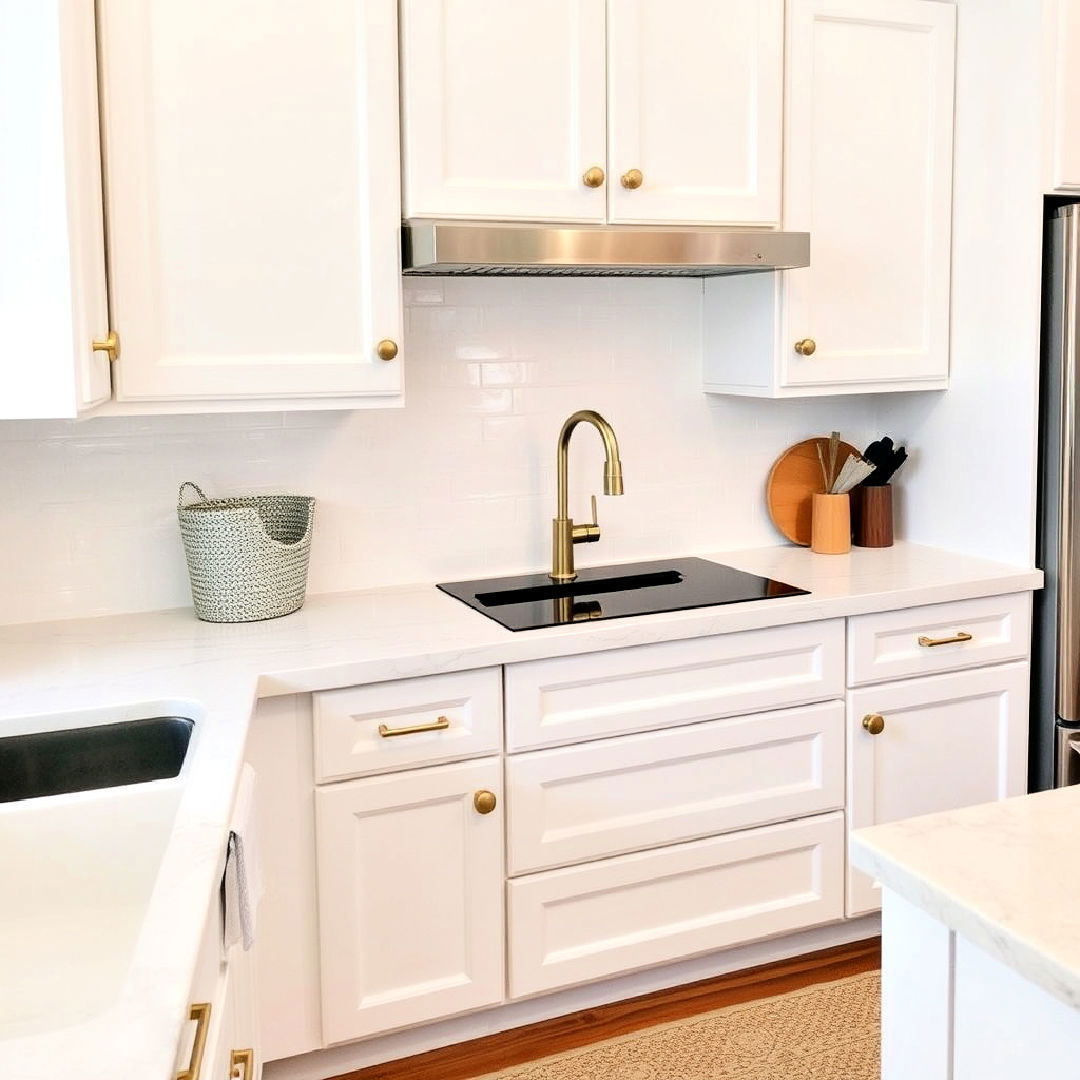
(180, 494)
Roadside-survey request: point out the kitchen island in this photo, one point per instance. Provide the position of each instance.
(981, 939)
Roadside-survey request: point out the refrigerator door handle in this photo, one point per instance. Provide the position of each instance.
(1068, 615)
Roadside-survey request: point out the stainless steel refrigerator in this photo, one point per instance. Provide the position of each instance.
(1055, 704)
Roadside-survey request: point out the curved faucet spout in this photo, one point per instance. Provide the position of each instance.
(565, 533)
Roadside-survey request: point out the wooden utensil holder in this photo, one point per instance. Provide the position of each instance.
(873, 514)
(830, 533)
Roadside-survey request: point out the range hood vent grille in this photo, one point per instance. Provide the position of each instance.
(514, 250)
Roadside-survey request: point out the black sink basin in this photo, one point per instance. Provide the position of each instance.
(612, 592)
(88, 758)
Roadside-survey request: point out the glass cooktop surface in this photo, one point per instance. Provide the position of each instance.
(532, 601)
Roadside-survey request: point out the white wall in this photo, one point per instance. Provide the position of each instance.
(460, 483)
(970, 483)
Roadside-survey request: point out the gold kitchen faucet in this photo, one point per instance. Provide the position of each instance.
(564, 533)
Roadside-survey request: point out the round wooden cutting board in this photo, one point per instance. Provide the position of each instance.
(795, 476)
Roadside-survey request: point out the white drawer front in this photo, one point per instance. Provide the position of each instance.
(574, 698)
(588, 922)
(354, 728)
(897, 644)
(576, 803)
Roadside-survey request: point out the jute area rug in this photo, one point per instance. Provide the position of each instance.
(829, 1031)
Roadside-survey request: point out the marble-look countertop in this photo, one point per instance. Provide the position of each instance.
(1004, 875)
(61, 669)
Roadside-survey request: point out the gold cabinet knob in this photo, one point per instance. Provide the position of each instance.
(874, 723)
(806, 347)
(593, 177)
(484, 801)
(386, 349)
(631, 180)
(109, 344)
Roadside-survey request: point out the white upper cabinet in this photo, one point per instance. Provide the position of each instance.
(53, 301)
(548, 112)
(253, 199)
(695, 107)
(1063, 43)
(503, 109)
(868, 173)
(870, 177)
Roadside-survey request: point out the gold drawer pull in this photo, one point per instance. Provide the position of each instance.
(932, 642)
(386, 349)
(632, 180)
(806, 347)
(593, 177)
(201, 1015)
(242, 1065)
(439, 725)
(484, 802)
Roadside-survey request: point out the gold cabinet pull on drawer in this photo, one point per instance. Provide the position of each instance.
(242, 1065)
(200, 1013)
(439, 725)
(932, 642)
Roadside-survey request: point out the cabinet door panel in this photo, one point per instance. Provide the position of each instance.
(1066, 101)
(589, 922)
(253, 192)
(869, 175)
(949, 741)
(503, 107)
(617, 795)
(695, 103)
(410, 898)
(572, 698)
(53, 300)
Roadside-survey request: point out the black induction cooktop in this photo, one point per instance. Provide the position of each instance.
(532, 601)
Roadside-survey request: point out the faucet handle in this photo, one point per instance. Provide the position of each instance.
(587, 534)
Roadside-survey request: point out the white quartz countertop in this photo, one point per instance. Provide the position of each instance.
(1005, 875)
(144, 660)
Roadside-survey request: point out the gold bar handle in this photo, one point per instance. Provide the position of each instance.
(242, 1064)
(439, 725)
(200, 1013)
(933, 642)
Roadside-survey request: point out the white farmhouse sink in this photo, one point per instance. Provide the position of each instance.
(77, 873)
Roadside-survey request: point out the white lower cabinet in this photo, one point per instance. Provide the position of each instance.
(589, 922)
(662, 801)
(933, 744)
(410, 872)
(222, 1027)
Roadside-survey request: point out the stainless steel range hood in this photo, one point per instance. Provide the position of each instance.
(455, 248)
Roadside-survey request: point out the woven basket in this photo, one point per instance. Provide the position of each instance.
(247, 557)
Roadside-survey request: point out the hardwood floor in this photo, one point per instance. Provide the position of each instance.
(479, 1056)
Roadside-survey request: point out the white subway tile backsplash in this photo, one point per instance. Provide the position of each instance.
(459, 483)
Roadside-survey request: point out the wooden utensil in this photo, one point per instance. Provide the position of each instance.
(793, 480)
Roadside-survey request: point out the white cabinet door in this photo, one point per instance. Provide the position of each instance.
(695, 105)
(1064, 33)
(410, 898)
(503, 108)
(868, 172)
(253, 198)
(52, 251)
(948, 741)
